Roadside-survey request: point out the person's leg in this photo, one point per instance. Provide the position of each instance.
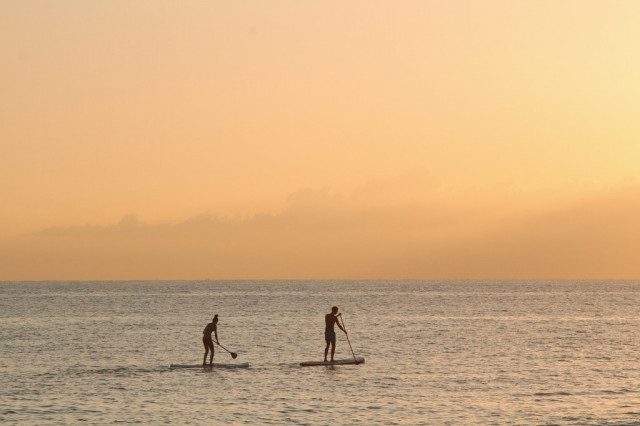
(333, 349)
(326, 351)
(212, 352)
(206, 351)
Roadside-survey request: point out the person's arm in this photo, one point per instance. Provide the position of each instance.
(215, 331)
(338, 324)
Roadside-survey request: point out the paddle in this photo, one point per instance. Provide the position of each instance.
(347, 334)
(233, 354)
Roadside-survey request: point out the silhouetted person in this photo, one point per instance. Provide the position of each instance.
(329, 333)
(212, 327)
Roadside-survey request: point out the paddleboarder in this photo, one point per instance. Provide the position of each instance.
(212, 327)
(330, 320)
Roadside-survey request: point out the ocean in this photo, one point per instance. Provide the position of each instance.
(437, 352)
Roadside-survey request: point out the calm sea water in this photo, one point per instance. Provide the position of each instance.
(467, 352)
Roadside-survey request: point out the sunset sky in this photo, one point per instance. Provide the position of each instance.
(203, 139)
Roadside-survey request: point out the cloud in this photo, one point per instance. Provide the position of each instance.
(406, 227)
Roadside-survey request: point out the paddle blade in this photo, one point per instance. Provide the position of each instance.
(234, 355)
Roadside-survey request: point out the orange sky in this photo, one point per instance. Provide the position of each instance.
(334, 139)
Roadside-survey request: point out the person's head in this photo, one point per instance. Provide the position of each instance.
(334, 310)
(215, 318)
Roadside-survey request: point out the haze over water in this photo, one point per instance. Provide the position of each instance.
(459, 352)
(349, 139)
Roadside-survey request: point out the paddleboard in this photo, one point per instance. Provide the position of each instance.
(350, 361)
(215, 365)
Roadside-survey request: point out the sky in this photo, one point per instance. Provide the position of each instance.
(292, 139)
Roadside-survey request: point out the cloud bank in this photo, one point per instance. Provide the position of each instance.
(399, 228)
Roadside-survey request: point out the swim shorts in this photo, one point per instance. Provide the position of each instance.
(208, 342)
(329, 336)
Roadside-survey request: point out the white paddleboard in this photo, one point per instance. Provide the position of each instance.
(215, 365)
(350, 361)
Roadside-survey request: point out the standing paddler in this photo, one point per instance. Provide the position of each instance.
(212, 327)
(330, 320)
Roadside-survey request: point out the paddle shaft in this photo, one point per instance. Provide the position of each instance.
(232, 353)
(347, 334)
